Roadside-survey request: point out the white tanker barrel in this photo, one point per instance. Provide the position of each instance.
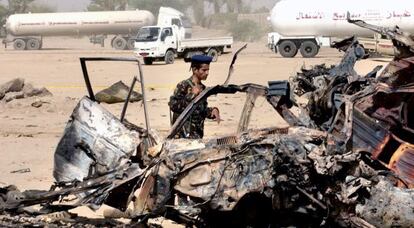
(328, 17)
(78, 23)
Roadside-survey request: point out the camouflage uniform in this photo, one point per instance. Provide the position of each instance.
(194, 126)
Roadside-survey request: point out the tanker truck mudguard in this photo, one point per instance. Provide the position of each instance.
(305, 26)
(26, 31)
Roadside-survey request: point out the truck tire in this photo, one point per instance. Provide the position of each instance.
(309, 49)
(33, 44)
(189, 54)
(288, 49)
(119, 43)
(19, 44)
(148, 61)
(213, 53)
(169, 57)
(131, 44)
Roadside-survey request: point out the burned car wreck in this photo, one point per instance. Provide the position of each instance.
(346, 159)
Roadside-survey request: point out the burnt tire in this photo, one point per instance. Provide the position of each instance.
(288, 49)
(169, 57)
(19, 44)
(309, 49)
(33, 44)
(148, 61)
(119, 43)
(213, 53)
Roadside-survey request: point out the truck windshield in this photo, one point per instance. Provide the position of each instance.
(148, 34)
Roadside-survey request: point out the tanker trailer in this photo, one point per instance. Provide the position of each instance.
(26, 31)
(305, 26)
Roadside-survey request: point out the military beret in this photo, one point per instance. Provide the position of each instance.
(201, 59)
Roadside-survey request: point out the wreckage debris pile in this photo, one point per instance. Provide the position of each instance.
(347, 160)
(329, 168)
(57, 219)
(19, 89)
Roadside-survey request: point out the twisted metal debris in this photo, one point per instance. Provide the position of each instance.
(346, 160)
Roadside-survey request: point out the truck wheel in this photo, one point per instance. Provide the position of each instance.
(148, 61)
(309, 49)
(169, 57)
(213, 53)
(131, 44)
(189, 54)
(119, 43)
(288, 49)
(19, 44)
(33, 44)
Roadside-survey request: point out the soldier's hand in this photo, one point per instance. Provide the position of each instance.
(196, 90)
(215, 114)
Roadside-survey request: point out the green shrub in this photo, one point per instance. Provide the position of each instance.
(246, 30)
(220, 20)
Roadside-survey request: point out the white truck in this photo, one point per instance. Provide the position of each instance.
(305, 26)
(26, 31)
(165, 43)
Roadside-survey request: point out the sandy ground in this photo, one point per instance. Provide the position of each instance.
(28, 135)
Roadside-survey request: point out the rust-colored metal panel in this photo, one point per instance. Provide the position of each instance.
(402, 163)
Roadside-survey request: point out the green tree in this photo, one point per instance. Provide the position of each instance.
(154, 5)
(234, 6)
(246, 30)
(107, 5)
(217, 5)
(41, 8)
(19, 6)
(3, 15)
(198, 9)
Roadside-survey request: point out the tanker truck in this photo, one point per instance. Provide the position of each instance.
(305, 26)
(26, 31)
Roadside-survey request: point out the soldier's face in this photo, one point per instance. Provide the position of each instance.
(202, 72)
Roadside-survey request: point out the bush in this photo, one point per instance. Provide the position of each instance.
(246, 30)
(220, 20)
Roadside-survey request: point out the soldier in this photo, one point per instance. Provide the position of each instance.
(185, 92)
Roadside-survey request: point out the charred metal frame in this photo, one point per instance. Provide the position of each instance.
(219, 89)
(83, 61)
(231, 67)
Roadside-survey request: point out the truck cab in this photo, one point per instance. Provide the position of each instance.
(168, 17)
(158, 43)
